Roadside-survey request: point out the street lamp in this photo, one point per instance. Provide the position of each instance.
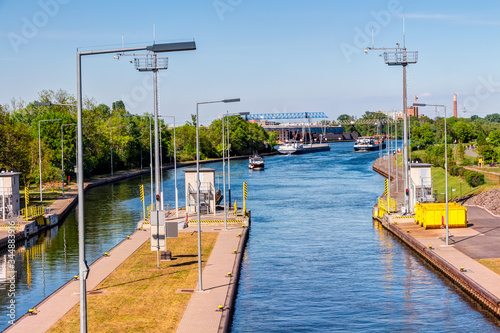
(150, 151)
(83, 267)
(228, 162)
(399, 56)
(62, 146)
(233, 100)
(175, 170)
(445, 160)
(40, 155)
(111, 130)
(62, 154)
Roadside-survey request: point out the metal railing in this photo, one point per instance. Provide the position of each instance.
(400, 57)
(32, 212)
(148, 63)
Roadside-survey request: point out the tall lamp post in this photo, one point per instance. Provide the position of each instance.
(399, 56)
(40, 154)
(175, 170)
(62, 154)
(83, 267)
(150, 151)
(224, 164)
(111, 130)
(62, 144)
(445, 161)
(233, 100)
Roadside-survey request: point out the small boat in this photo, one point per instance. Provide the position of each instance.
(365, 143)
(291, 148)
(255, 162)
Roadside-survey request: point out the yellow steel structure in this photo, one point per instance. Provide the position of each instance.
(386, 207)
(433, 215)
(150, 208)
(32, 212)
(26, 200)
(141, 190)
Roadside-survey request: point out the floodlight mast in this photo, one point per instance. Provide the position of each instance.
(83, 267)
(401, 57)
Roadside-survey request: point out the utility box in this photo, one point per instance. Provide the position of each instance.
(420, 184)
(9, 194)
(207, 190)
(157, 230)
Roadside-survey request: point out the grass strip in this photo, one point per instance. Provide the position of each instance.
(138, 297)
(493, 264)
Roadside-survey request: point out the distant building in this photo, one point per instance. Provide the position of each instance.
(300, 131)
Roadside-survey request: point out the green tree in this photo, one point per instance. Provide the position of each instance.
(494, 138)
(461, 131)
(495, 117)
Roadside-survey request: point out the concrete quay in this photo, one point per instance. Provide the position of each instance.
(209, 310)
(480, 240)
(63, 205)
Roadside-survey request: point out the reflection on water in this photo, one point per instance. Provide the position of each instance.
(315, 260)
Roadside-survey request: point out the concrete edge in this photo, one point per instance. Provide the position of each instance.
(232, 291)
(71, 280)
(482, 207)
(470, 287)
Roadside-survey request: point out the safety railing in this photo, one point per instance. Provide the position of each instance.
(150, 208)
(386, 207)
(32, 212)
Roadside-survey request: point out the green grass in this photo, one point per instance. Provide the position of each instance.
(493, 264)
(141, 298)
(50, 194)
(458, 184)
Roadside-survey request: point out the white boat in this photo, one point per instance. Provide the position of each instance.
(255, 162)
(365, 143)
(290, 148)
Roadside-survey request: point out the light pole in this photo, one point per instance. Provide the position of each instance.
(150, 151)
(445, 161)
(40, 155)
(83, 267)
(233, 100)
(223, 162)
(175, 171)
(401, 57)
(111, 130)
(62, 144)
(62, 155)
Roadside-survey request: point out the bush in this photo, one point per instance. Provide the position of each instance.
(474, 178)
(455, 170)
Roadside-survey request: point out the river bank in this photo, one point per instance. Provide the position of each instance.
(58, 210)
(458, 261)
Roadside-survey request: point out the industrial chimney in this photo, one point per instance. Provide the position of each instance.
(455, 114)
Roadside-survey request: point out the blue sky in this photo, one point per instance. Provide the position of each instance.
(277, 56)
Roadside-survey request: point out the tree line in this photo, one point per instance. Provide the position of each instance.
(105, 127)
(427, 134)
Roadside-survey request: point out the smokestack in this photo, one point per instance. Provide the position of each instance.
(455, 114)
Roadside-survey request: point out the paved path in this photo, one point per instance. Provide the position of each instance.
(202, 313)
(485, 244)
(453, 254)
(62, 300)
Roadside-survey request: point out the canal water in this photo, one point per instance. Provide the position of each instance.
(315, 261)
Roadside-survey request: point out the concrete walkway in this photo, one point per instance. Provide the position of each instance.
(481, 240)
(202, 313)
(54, 307)
(452, 254)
